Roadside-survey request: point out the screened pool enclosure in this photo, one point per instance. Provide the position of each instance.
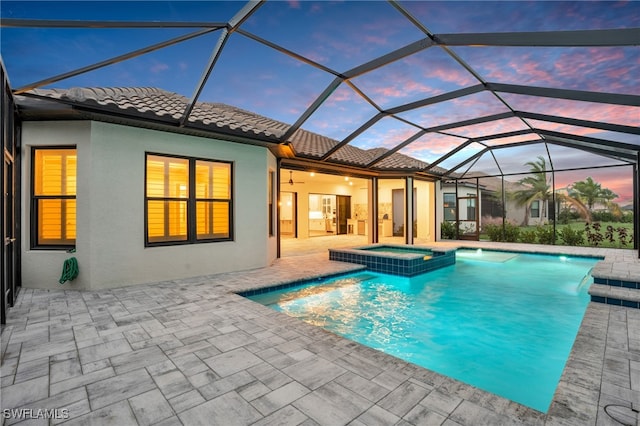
(508, 106)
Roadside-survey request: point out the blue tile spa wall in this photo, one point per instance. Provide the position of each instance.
(404, 265)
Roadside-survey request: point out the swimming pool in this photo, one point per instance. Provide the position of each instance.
(505, 326)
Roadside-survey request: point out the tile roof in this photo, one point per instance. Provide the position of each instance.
(156, 103)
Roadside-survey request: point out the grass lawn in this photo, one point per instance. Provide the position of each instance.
(580, 226)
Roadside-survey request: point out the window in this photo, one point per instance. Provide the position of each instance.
(449, 207)
(188, 200)
(53, 201)
(535, 208)
(471, 208)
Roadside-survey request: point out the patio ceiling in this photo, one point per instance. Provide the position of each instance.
(463, 87)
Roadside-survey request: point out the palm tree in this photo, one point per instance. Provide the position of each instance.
(538, 189)
(588, 191)
(592, 192)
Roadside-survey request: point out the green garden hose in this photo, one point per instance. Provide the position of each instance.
(70, 270)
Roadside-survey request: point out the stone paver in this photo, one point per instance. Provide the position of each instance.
(191, 352)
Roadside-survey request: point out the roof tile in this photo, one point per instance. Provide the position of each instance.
(161, 103)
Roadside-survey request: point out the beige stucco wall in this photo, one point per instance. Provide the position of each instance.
(110, 208)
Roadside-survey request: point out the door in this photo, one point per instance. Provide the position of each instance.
(289, 214)
(468, 218)
(344, 213)
(397, 207)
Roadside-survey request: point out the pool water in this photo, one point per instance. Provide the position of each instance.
(505, 326)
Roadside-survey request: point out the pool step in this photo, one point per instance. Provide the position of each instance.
(615, 292)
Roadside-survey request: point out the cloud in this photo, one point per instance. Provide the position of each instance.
(608, 113)
(489, 128)
(432, 146)
(158, 67)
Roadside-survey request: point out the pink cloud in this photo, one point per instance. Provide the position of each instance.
(489, 128)
(432, 145)
(615, 114)
(294, 4)
(603, 69)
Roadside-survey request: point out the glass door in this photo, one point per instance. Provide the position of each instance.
(288, 215)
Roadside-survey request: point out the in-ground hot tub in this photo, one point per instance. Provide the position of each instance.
(396, 259)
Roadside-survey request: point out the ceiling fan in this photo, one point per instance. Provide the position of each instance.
(290, 181)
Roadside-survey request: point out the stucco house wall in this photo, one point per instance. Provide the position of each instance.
(110, 240)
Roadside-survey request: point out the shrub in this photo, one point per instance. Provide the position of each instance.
(511, 232)
(594, 237)
(603, 217)
(494, 232)
(528, 237)
(627, 217)
(572, 237)
(566, 216)
(608, 234)
(623, 235)
(448, 230)
(545, 235)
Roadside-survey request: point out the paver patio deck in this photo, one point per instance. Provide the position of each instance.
(192, 352)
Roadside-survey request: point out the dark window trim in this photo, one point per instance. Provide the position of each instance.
(191, 201)
(33, 205)
(537, 209)
(444, 208)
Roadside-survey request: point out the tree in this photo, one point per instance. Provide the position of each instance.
(591, 192)
(538, 189)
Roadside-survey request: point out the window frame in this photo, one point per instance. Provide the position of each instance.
(191, 202)
(33, 208)
(445, 206)
(537, 209)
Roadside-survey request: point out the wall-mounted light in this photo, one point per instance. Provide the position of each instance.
(346, 178)
(351, 183)
(312, 174)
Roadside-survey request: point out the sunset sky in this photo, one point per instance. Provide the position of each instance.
(341, 36)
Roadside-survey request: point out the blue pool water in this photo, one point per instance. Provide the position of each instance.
(504, 322)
